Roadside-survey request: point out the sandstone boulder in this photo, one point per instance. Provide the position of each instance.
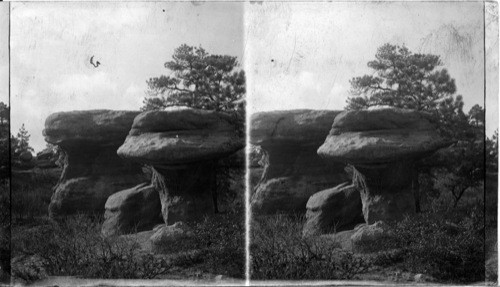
(26, 156)
(47, 158)
(382, 146)
(170, 234)
(182, 146)
(182, 136)
(380, 136)
(92, 170)
(369, 235)
(333, 210)
(132, 210)
(293, 170)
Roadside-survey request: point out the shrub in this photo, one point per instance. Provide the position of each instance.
(5, 227)
(280, 252)
(31, 193)
(217, 245)
(448, 246)
(224, 238)
(74, 247)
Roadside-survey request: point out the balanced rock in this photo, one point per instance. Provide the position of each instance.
(382, 145)
(293, 170)
(92, 170)
(132, 210)
(333, 210)
(182, 146)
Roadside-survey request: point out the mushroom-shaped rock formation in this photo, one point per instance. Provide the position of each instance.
(92, 170)
(293, 170)
(382, 145)
(182, 147)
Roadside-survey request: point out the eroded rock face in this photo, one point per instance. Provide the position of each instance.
(333, 210)
(92, 170)
(293, 170)
(382, 146)
(182, 146)
(385, 135)
(132, 210)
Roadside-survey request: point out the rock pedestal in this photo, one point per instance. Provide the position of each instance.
(188, 192)
(382, 145)
(92, 170)
(293, 170)
(182, 146)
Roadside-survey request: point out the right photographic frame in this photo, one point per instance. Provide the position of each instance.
(372, 141)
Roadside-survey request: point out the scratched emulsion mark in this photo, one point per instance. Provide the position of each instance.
(455, 42)
(96, 63)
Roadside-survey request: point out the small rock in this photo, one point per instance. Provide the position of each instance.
(26, 156)
(370, 235)
(420, 278)
(218, 277)
(28, 268)
(171, 234)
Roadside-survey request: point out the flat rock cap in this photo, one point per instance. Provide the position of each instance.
(180, 136)
(291, 126)
(380, 136)
(92, 126)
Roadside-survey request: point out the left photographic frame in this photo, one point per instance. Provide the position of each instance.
(128, 147)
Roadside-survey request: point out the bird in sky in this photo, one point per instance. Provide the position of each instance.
(96, 64)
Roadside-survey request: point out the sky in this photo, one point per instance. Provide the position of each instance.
(492, 60)
(4, 52)
(302, 55)
(295, 55)
(52, 43)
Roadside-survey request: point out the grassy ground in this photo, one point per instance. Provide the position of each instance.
(75, 247)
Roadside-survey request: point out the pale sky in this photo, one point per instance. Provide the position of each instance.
(4, 52)
(302, 55)
(52, 43)
(296, 55)
(491, 43)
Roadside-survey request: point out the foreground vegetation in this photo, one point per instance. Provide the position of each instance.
(279, 252)
(74, 246)
(4, 230)
(4, 194)
(445, 245)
